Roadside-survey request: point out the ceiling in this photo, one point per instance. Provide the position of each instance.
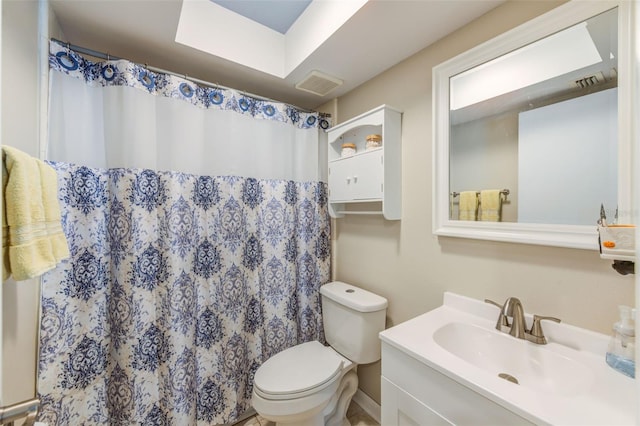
(377, 36)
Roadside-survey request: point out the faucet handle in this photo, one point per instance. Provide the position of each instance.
(536, 335)
(503, 321)
(493, 303)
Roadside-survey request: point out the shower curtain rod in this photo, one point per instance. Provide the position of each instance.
(108, 57)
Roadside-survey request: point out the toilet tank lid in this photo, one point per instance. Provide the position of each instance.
(353, 297)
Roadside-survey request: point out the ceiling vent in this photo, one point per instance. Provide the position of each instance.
(318, 83)
(589, 81)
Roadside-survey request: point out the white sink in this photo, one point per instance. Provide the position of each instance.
(514, 360)
(566, 381)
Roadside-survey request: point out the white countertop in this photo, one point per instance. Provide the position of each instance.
(602, 396)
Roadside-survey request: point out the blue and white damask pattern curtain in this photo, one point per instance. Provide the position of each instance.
(180, 284)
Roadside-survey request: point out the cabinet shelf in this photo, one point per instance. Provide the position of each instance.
(366, 152)
(372, 175)
(376, 212)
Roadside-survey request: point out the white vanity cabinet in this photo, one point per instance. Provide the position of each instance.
(368, 176)
(415, 394)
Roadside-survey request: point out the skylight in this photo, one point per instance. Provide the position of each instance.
(212, 28)
(278, 15)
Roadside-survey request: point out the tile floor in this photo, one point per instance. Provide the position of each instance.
(356, 415)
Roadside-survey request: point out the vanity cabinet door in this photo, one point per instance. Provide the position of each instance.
(357, 178)
(425, 396)
(402, 409)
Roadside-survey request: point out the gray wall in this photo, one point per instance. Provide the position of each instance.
(484, 155)
(19, 129)
(20, 109)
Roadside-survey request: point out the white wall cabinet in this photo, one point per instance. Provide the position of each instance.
(415, 394)
(368, 176)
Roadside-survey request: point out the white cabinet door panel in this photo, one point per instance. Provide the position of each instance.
(402, 409)
(356, 178)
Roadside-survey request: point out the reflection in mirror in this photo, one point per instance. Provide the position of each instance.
(525, 130)
(540, 125)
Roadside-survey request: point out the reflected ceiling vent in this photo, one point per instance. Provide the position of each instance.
(318, 83)
(589, 81)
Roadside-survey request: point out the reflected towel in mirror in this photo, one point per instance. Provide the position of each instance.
(490, 205)
(468, 207)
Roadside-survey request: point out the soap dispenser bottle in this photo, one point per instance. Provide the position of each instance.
(621, 351)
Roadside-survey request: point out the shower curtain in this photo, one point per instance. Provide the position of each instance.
(199, 237)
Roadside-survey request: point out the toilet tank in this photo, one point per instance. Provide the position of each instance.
(352, 319)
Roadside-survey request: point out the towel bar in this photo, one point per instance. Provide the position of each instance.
(504, 192)
(28, 409)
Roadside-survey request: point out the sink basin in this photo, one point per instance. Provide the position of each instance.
(532, 366)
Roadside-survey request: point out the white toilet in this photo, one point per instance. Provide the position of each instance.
(311, 384)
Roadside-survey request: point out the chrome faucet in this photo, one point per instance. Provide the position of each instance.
(517, 328)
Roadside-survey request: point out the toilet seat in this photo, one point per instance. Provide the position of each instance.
(299, 371)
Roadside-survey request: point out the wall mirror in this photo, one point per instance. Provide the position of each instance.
(531, 130)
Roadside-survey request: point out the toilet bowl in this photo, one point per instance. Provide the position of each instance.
(311, 384)
(297, 385)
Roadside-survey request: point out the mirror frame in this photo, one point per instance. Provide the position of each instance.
(573, 236)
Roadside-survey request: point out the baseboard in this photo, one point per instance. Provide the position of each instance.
(371, 407)
(247, 414)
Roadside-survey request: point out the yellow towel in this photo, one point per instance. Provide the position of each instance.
(468, 207)
(32, 237)
(490, 205)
